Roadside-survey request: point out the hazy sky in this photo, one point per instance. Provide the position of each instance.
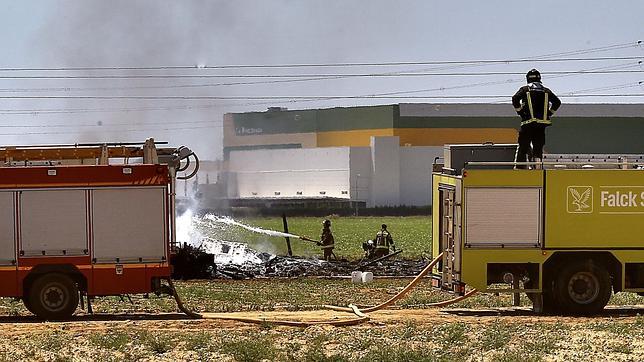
(83, 33)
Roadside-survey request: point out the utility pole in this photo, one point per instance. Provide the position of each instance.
(355, 202)
(288, 240)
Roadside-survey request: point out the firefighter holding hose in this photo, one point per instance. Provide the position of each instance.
(327, 243)
(535, 104)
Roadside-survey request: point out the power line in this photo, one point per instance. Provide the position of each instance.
(108, 131)
(38, 111)
(210, 106)
(540, 58)
(356, 75)
(282, 97)
(507, 81)
(169, 86)
(605, 88)
(185, 86)
(109, 124)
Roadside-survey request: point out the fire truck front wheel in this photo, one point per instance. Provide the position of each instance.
(53, 296)
(583, 288)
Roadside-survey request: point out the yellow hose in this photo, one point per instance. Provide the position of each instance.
(338, 323)
(360, 313)
(404, 292)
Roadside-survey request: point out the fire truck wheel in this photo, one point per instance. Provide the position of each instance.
(583, 288)
(25, 301)
(53, 297)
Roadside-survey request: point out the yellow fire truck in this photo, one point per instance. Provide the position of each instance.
(567, 231)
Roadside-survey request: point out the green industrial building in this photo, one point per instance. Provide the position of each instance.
(577, 128)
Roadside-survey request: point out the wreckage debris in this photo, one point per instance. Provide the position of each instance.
(234, 260)
(191, 262)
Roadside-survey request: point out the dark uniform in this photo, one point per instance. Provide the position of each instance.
(383, 241)
(326, 240)
(535, 104)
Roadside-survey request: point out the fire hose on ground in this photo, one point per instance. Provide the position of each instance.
(360, 313)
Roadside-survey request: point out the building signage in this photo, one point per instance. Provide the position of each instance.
(247, 131)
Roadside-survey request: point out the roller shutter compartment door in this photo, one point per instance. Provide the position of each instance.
(503, 217)
(129, 225)
(7, 229)
(53, 222)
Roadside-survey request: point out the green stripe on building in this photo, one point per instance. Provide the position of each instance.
(227, 150)
(306, 121)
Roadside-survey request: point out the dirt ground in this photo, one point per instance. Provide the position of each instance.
(610, 336)
(486, 329)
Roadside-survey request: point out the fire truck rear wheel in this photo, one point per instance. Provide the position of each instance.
(53, 297)
(583, 288)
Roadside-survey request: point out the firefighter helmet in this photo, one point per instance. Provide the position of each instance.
(533, 76)
(384, 226)
(326, 222)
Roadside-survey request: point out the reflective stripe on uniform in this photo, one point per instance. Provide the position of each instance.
(529, 106)
(382, 247)
(545, 119)
(328, 246)
(545, 106)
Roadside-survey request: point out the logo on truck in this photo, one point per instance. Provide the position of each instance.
(580, 199)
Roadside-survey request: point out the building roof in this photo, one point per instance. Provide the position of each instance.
(506, 110)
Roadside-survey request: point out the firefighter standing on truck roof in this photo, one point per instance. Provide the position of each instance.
(383, 242)
(535, 104)
(326, 240)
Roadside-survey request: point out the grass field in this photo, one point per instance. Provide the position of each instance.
(412, 234)
(411, 333)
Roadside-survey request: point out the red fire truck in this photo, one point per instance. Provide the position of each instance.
(83, 221)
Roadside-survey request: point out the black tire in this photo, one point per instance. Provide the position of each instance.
(25, 301)
(583, 288)
(53, 297)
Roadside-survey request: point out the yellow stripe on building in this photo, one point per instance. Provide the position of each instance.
(362, 138)
(442, 136)
(354, 138)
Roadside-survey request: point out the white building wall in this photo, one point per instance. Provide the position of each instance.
(385, 181)
(384, 174)
(361, 174)
(416, 174)
(291, 173)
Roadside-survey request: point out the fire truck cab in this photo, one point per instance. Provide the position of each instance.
(568, 231)
(78, 224)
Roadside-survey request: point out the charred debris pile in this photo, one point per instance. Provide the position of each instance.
(233, 260)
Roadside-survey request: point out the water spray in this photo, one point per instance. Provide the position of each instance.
(230, 221)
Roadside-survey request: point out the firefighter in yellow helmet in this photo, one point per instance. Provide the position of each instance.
(327, 243)
(383, 242)
(535, 104)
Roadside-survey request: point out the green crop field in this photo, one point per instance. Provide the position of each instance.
(411, 233)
